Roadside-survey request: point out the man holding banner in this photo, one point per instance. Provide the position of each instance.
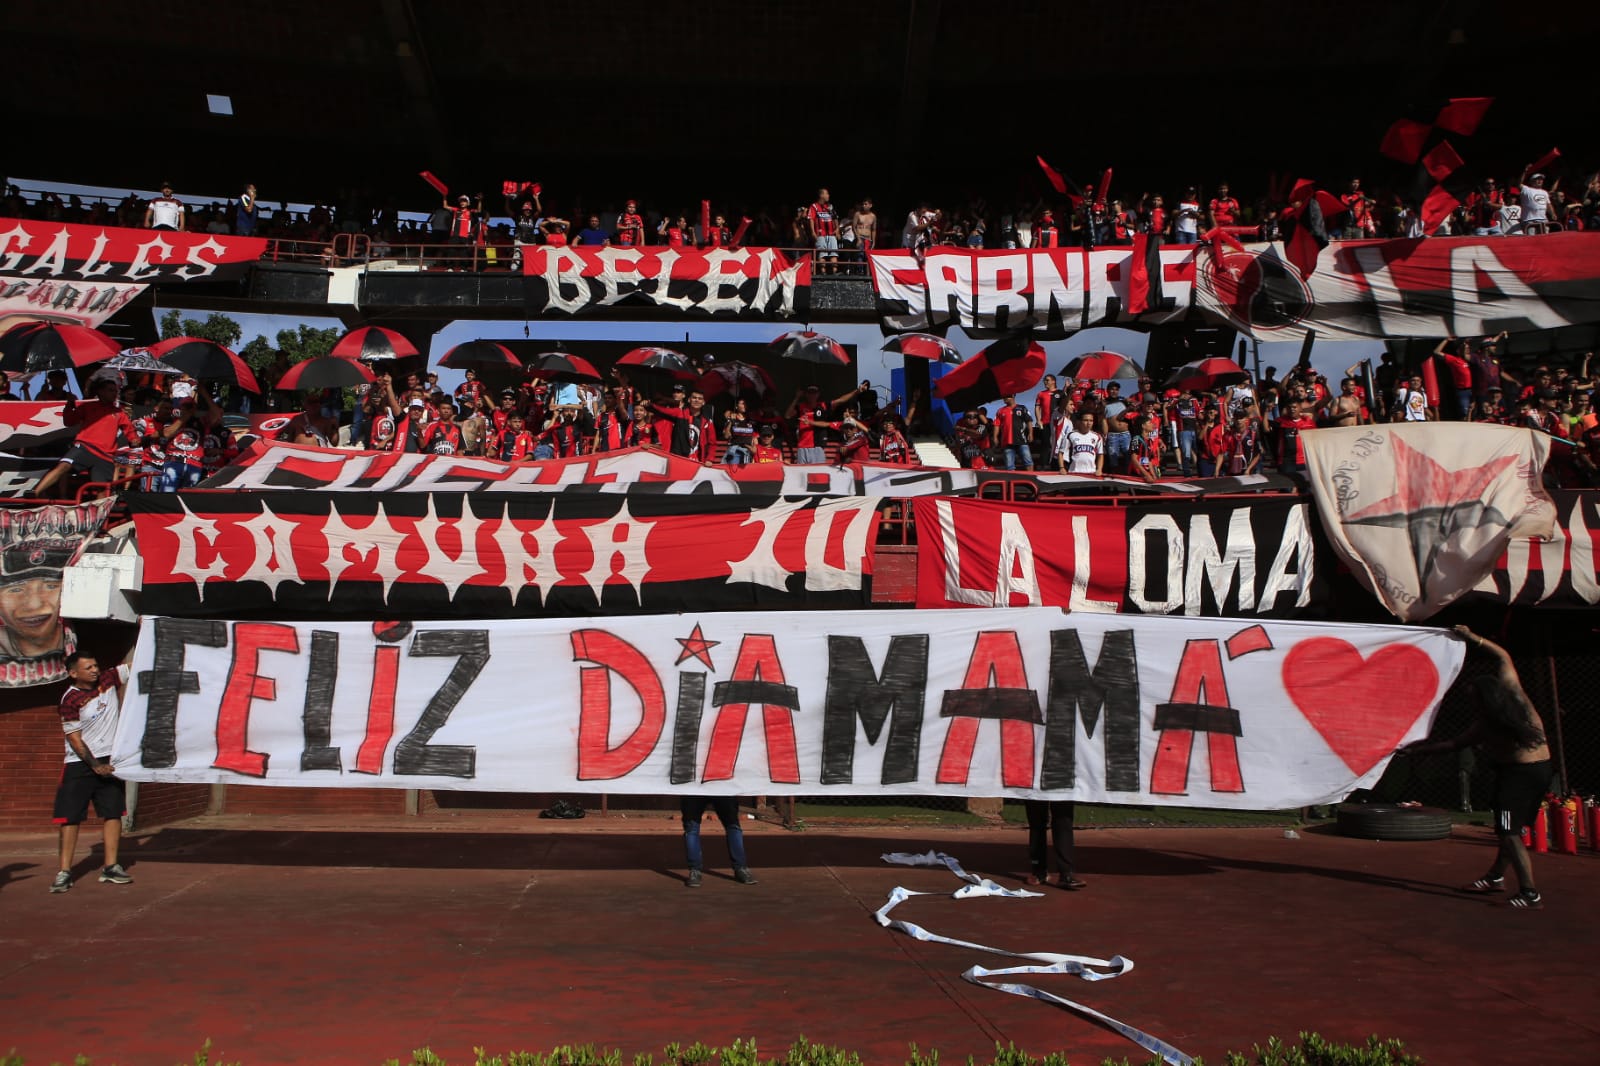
(90, 708)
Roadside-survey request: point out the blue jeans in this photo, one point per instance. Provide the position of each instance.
(737, 455)
(1181, 237)
(727, 808)
(1118, 447)
(175, 476)
(543, 451)
(1016, 453)
(1186, 460)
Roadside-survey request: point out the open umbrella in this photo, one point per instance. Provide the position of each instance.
(480, 355)
(140, 361)
(736, 379)
(651, 357)
(206, 360)
(1102, 366)
(810, 347)
(372, 343)
(325, 372)
(924, 346)
(34, 347)
(1004, 368)
(1207, 374)
(560, 366)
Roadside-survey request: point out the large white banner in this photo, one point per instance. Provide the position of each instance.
(1014, 702)
(1422, 511)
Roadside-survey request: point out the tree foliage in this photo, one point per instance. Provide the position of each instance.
(299, 344)
(220, 328)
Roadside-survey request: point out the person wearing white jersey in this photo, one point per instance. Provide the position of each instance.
(165, 211)
(89, 710)
(1535, 202)
(1079, 449)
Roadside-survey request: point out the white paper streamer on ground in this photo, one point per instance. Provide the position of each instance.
(1083, 967)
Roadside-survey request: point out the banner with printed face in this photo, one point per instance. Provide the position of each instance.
(1050, 292)
(1427, 287)
(36, 544)
(1021, 703)
(64, 272)
(1193, 557)
(277, 465)
(491, 555)
(1421, 511)
(710, 281)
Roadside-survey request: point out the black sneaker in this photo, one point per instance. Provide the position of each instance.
(693, 880)
(115, 875)
(743, 875)
(63, 881)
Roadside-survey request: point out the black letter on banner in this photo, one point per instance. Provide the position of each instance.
(855, 691)
(686, 727)
(1114, 685)
(169, 680)
(414, 755)
(322, 674)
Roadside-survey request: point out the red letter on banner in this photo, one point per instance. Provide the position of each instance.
(1011, 699)
(380, 709)
(596, 759)
(757, 678)
(250, 639)
(1199, 701)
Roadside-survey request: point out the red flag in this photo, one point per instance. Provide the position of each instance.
(508, 188)
(738, 234)
(1545, 160)
(1006, 367)
(1436, 208)
(1404, 140)
(1144, 274)
(705, 220)
(1057, 182)
(1463, 114)
(1441, 161)
(427, 176)
(1105, 188)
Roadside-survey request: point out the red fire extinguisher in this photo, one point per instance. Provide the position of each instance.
(1564, 828)
(1539, 840)
(1593, 811)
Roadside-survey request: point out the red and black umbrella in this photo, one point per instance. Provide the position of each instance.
(651, 357)
(811, 347)
(1207, 374)
(1005, 368)
(924, 346)
(561, 366)
(34, 347)
(736, 379)
(480, 355)
(1102, 366)
(325, 372)
(372, 343)
(206, 361)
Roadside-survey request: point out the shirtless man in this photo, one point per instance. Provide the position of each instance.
(1119, 442)
(865, 222)
(1345, 408)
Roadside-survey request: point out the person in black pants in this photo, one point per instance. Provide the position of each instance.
(1055, 818)
(693, 808)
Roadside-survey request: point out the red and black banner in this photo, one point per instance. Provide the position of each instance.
(26, 424)
(1246, 558)
(496, 555)
(711, 281)
(19, 474)
(61, 272)
(1559, 572)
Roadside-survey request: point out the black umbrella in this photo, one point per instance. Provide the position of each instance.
(325, 372)
(372, 343)
(810, 347)
(480, 355)
(206, 360)
(34, 347)
(560, 366)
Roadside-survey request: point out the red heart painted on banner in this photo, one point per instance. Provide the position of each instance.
(1362, 707)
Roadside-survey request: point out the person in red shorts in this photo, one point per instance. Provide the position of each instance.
(99, 421)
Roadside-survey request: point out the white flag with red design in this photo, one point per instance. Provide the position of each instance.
(1422, 512)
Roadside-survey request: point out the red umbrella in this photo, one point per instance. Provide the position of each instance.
(1004, 368)
(207, 361)
(736, 378)
(1207, 374)
(480, 355)
(811, 347)
(560, 366)
(1102, 366)
(651, 357)
(371, 343)
(325, 372)
(924, 346)
(39, 346)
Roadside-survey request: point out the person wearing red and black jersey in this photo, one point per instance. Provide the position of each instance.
(718, 235)
(857, 447)
(1012, 428)
(149, 447)
(630, 226)
(1357, 211)
(1291, 449)
(409, 427)
(823, 222)
(514, 444)
(686, 426)
(184, 442)
(442, 436)
(89, 711)
(1492, 408)
(561, 438)
(1223, 209)
(766, 451)
(1144, 447)
(469, 393)
(1045, 233)
(893, 446)
(613, 429)
(807, 409)
(99, 421)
